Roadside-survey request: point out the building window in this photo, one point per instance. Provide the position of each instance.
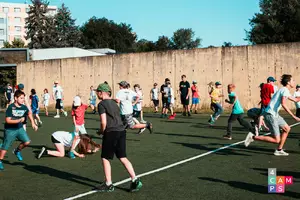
(2, 21)
(17, 19)
(18, 37)
(18, 28)
(5, 9)
(1, 31)
(17, 9)
(1, 43)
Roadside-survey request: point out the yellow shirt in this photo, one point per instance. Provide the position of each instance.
(215, 94)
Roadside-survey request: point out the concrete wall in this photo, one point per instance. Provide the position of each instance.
(245, 66)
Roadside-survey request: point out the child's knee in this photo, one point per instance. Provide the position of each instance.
(26, 143)
(61, 154)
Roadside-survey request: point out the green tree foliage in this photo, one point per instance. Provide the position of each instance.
(277, 22)
(145, 46)
(227, 44)
(184, 39)
(163, 43)
(104, 33)
(16, 43)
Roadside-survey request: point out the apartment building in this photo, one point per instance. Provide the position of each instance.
(12, 21)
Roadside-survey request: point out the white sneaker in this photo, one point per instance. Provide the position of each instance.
(56, 116)
(66, 114)
(40, 123)
(41, 153)
(143, 121)
(249, 139)
(280, 153)
(141, 130)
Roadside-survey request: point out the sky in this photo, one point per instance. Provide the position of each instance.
(214, 21)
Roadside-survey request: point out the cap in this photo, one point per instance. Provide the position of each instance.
(123, 83)
(194, 82)
(167, 79)
(8, 84)
(271, 79)
(55, 81)
(21, 86)
(298, 86)
(218, 83)
(77, 101)
(103, 87)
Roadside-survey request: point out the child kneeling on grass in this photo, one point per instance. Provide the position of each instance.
(15, 116)
(62, 139)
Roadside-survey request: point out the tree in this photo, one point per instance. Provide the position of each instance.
(183, 39)
(104, 33)
(16, 43)
(163, 43)
(40, 28)
(278, 21)
(227, 44)
(144, 46)
(68, 34)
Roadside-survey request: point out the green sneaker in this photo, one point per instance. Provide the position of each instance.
(105, 188)
(1, 166)
(136, 185)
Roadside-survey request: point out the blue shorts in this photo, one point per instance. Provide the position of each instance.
(35, 111)
(93, 102)
(195, 100)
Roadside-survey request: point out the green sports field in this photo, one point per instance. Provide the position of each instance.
(232, 173)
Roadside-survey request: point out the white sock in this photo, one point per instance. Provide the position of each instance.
(133, 179)
(108, 183)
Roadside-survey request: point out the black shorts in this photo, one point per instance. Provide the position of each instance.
(165, 102)
(184, 101)
(114, 143)
(155, 102)
(8, 101)
(298, 112)
(58, 104)
(136, 113)
(54, 141)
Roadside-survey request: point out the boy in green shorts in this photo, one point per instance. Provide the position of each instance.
(15, 116)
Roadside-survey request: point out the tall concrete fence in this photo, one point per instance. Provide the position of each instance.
(245, 66)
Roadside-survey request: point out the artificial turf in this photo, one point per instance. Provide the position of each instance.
(232, 173)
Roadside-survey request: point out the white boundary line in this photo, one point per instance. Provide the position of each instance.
(168, 166)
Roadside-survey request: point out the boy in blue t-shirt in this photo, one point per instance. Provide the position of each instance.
(35, 107)
(237, 113)
(15, 116)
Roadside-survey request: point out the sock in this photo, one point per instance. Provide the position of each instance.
(108, 183)
(133, 179)
(279, 149)
(253, 137)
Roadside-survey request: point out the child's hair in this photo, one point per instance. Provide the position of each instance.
(261, 85)
(183, 76)
(91, 87)
(285, 78)
(231, 86)
(106, 82)
(155, 84)
(46, 90)
(18, 93)
(86, 143)
(137, 85)
(33, 92)
(210, 87)
(128, 86)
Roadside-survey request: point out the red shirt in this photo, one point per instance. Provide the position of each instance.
(266, 94)
(195, 91)
(79, 114)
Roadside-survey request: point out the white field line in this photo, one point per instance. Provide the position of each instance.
(167, 167)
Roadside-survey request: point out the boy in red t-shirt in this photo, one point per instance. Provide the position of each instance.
(195, 97)
(78, 112)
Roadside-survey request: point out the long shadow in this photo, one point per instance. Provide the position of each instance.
(38, 169)
(227, 151)
(178, 122)
(250, 187)
(279, 173)
(203, 125)
(183, 135)
(100, 138)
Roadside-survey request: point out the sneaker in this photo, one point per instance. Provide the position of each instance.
(56, 116)
(43, 150)
(165, 116)
(18, 154)
(40, 123)
(35, 121)
(189, 114)
(66, 114)
(228, 137)
(162, 116)
(150, 127)
(249, 139)
(0, 145)
(105, 188)
(94, 111)
(71, 155)
(171, 117)
(143, 122)
(47, 113)
(136, 185)
(1, 166)
(184, 114)
(280, 153)
(174, 114)
(196, 112)
(141, 130)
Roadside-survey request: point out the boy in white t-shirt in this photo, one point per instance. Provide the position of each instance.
(171, 101)
(154, 97)
(138, 107)
(58, 97)
(297, 95)
(273, 120)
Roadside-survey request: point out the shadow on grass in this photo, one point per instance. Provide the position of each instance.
(250, 187)
(203, 125)
(184, 135)
(38, 169)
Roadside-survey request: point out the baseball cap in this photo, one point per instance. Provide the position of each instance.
(56, 81)
(272, 79)
(167, 79)
(21, 86)
(77, 101)
(103, 87)
(298, 86)
(123, 83)
(194, 82)
(218, 83)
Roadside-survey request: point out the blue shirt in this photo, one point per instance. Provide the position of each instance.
(34, 102)
(237, 107)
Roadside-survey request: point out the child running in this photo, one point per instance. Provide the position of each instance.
(26, 103)
(164, 90)
(274, 121)
(78, 112)
(215, 96)
(15, 116)
(62, 139)
(138, 107)
(237, 113)
(297, 95)
(114, 139)
(154, 97)
(171, 101)
(254, 114)
(46, 99)
(34, 99)
(92, 99)
(195, 97)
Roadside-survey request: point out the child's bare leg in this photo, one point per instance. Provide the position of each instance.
(107, 171)
(60, 151)
(127, 164)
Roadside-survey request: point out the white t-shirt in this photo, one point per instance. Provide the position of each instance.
(126, 96)
(275, 88)
(57, 91)
(138, 105)
(171, 98)
(46, 97)
(275, 103)
(93, 95)
(154, 93)
(297, 94)
(65, 138)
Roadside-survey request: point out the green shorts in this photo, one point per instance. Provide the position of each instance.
(10, 135)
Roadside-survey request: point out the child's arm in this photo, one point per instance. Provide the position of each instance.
(103, 122)
(9, 120)
(34, 126)
(285, 107)
(76, 138)
(294, 99)
(74, 121)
